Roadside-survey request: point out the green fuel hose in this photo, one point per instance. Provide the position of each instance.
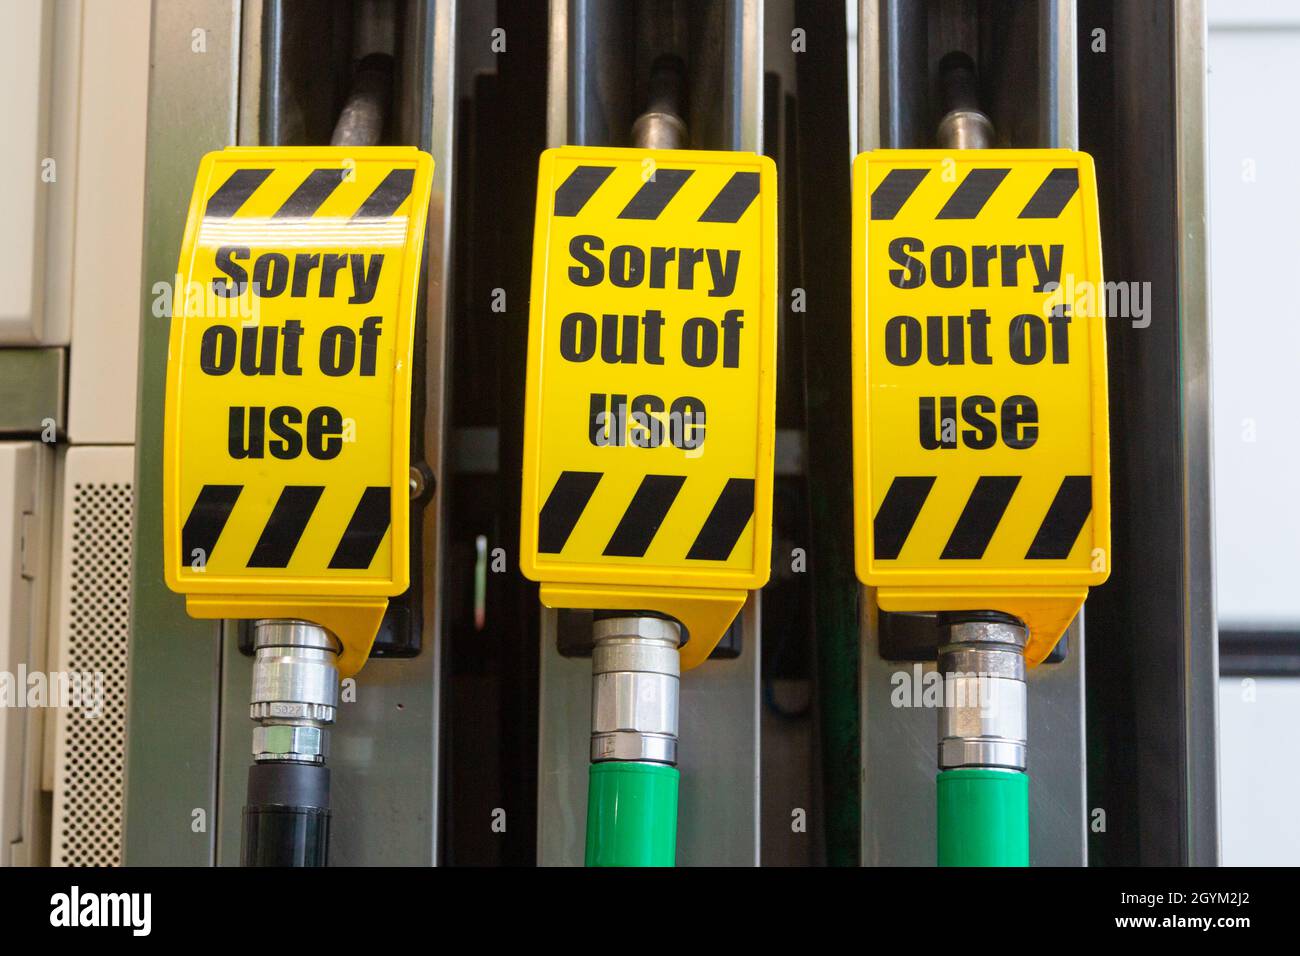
(983, 817)
(632, 814)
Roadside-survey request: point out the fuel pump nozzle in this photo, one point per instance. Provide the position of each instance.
(661, 126)
(632, 790)
(983, 790)
(964, 125)
(294, 700)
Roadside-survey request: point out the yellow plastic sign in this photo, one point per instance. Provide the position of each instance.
(287, 435)
(650, 412)
(981, 448)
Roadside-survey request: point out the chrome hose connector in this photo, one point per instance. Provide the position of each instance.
(984, 720)
(295, 690)
(635, 689)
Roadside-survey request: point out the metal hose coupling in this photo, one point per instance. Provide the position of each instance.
(661, 126)
(984, 720)
(295, 691)
(635, 689)
(964, 125)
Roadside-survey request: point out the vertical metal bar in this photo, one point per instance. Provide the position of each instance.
(1200, 646)
(440, 117)
(903, 74)
(1057, 55)
(174, 660)
(1154, 662)
(253, 51)
(270, 97)
(869, 87)
(747, 126)
(557, 81)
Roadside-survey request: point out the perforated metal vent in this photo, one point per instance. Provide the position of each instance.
(95, 624)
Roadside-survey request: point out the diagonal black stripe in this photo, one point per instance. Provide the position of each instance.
(1049, 200)
(311, 194)
(640, 522)
(1059, 530)
(234, 192)
(563, 507)
(367, 528)
(897, 514)
(894, 190)
(655, 194)
(578, 188)
(284, 528)
(737, 196)
(980, 518)
(969, 198)
(206, 521)
(388, 195)
(722, 529)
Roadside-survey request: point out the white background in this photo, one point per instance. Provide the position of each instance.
(1254, 182)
